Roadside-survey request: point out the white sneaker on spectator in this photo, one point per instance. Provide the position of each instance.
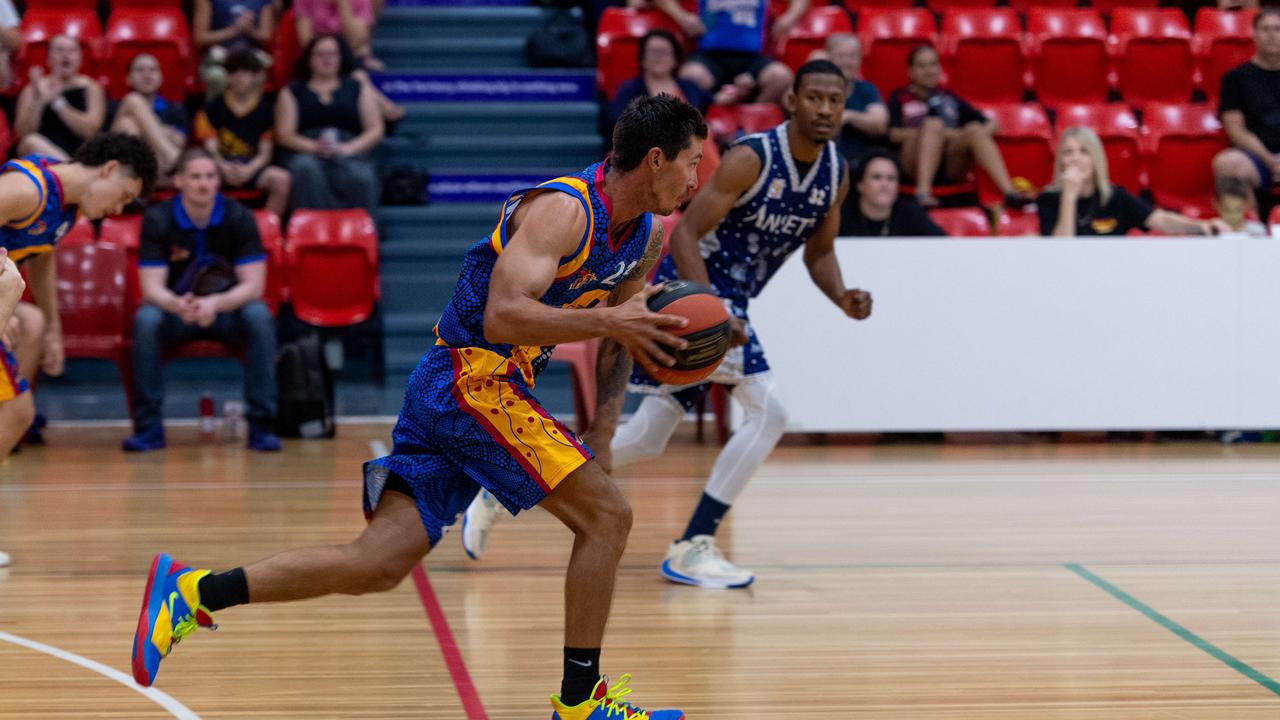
(477, 521)
(698, 561)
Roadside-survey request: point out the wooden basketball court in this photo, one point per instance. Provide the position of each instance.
(926, 581)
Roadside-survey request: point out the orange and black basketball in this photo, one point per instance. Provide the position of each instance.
(708, 331)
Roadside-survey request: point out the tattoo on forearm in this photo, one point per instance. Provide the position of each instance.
(651, 254)
(613, 367)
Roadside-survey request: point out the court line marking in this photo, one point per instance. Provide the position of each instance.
(1168, 624)
(158, 697)
(453, 660)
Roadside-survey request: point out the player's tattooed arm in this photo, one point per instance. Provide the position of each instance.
(652, 252)
(613, 368)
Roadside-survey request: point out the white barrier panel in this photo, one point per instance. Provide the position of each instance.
(1032, 334)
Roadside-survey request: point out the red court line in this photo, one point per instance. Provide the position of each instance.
(449, 647)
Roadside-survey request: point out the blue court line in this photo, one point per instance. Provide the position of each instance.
(1163, 621)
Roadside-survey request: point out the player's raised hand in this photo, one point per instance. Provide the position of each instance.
(641, 330)
(856, 304)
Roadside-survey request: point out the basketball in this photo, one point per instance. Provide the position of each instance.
(708, 332)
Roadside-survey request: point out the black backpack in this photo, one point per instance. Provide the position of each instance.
(560, 42)
(306, 390)
(405, 185)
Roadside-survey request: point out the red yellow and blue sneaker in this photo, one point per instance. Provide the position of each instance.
(606, 703)
(171, 610)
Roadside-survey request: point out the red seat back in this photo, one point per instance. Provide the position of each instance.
(1017, 223)
(159, 32)
(1025, 139)
(888, 37)
(618, 43)
(1182, 141)
(1117, 127)
(286, 50)
(1023, 6)
(1068, 48)
(1154, 61)
(91, 293)
(126, 232)
(810, 33)
(333, 266)
(1223, 40)
(962, 221)
(1111, 7)
(276, 290)
(982, 53)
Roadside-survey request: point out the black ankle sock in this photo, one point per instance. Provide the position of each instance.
(581, 673)
(706, 518)
(223, 590)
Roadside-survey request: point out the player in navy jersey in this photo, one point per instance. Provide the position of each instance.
(39, 201)
(566, 262)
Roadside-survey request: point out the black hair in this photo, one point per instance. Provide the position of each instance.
(660, 121)
(915, 52)
(1228, 186)
(302, 68)
(863, 164)
(190, 155)
(815, 67)
(665, 35)
(1266, 11)
(243, 59)
(134, 59)
(131, 152)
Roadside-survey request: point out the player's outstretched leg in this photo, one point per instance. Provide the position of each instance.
(590, 505)
(179, 599)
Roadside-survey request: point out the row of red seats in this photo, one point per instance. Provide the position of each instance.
(158, 28)
(1067, 55)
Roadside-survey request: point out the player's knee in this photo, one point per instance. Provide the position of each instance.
(609, 520)
(1231, 163)
(775, 417)
(19, 413)
(374, 572)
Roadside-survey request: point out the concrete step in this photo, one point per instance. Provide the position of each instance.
(470, 119)
(493, 152)
(462, 21)
(457, 53)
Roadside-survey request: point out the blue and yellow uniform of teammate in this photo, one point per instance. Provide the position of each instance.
(469, 419)
(32, 235)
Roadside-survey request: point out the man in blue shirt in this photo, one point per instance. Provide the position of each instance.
(865, 121)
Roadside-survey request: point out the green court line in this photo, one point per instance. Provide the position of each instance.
(1163, 621)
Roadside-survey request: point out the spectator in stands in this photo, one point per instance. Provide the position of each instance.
(866, 119)
(875, 209)
(162, 124)
(940, 136)
(1249, 103)
(330, 121)
(236, 129)
(1082, 200)
(221, 26)
(10, 41)
(1234, 201)
(731, 48)
(202, 270)
(660, 55)
(352, 20)
(58, 111)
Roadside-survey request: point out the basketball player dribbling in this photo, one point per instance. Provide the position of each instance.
(566, 262)
(773, 193)
(39, 200)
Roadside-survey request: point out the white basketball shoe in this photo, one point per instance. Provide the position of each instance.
(699, 562)
(478, 521)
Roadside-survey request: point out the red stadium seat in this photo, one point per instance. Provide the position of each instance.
(1022, 6)
(962, 221)
(728, 122)
(888, 37)
(277, 289)
(1110, 7)
(1223, 40)
(1025, 140)
(618, 43)
(91, 299)
(333, 266)
(1018, 223)
(859, 6)
(1153, 55)
(1117, 127)
(62, 5)
(1182, 140)
(126, 231)
(982, 52)
(581, 358)
(162, 32)
(945, 6)
(285, 52)
(40, 25)
(1068, 51)
(810, 33)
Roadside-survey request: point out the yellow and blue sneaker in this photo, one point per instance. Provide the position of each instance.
(171, 610)
(606, 703)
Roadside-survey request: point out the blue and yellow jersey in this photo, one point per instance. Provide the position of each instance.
(584, 278)
(39, 231)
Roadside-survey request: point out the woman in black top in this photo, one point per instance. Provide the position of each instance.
(875, 209)
(330, 120)
(57, 112)
(1082, 201)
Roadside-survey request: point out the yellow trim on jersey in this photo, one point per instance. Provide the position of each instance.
(573, 264)
(42, 186)
(23, 253)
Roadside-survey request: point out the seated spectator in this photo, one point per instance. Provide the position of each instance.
(1249, 103)
(875, 209)
(1233, 200)
(222, 26)
(330, 121)
(10, 42)
(202, 270)
(236, 129)
(352, 20)
(58, 111)
(940, 136)
(866, 120)
(143, 113)
(731, 48)
(1082, 200)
